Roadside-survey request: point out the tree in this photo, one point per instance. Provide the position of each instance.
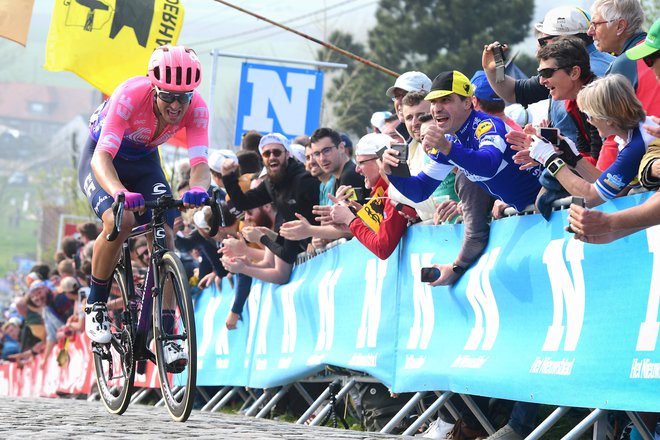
(425, 35)
(651, 11)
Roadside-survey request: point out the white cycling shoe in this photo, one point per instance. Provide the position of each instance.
(176, 358)
(97, 323)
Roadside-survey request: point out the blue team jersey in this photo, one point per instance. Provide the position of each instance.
(479, 148)
(623, 171)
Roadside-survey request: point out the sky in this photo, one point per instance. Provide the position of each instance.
(211, 25)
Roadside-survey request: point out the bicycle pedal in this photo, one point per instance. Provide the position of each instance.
(177, 367)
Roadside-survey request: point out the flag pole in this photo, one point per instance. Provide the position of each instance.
(315, 40)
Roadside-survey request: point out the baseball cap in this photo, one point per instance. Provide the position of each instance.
(274, 138)
(38, 284)
(218, 156)
(564, 20)
(68, 284)
(378, 119)
(410, 82)
(372, 143)
(650, 44)
(298, 152)
(482, 88)
(450, 82)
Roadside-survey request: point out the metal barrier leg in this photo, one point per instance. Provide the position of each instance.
(303, 392)
(202, 392)
(584, 425)
(272, 402)
(428, 413)
(318, 402)
(260, 401)
(219, 395)
(640, 425)
(483, 420)
(601, 428)
(137, 398)
(548, 423)
(247, 396)
(403, 412)
(340, 395)
(225, 399)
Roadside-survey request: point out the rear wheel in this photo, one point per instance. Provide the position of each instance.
(174, 332)
(113, 362)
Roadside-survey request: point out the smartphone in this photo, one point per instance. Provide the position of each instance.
(403, 151)
(429, 274)
(356, 194)
(551, 135)
(500, 65)
(402, 170)
(576, 201)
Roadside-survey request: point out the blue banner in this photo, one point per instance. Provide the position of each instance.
(278, 99)
(540, 317)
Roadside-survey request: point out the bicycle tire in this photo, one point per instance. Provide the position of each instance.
(116, 392)
(178, 388)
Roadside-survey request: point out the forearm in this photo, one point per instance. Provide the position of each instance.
(588, 171)
(477, 205)
(416, 188)
(328, 232)
(577, 186)
(277, 275)
(200, 175)
(506, 89)
(638, 217)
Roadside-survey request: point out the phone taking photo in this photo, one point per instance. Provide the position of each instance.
(500, 65)
(429, 274)
(575, 200)
(551, 135)
(402, 170)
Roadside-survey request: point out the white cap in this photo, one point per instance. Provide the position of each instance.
(411, 82)
(378, 119)
(298, 152)
(200, 217)
(274, 138)
(372, 143)
(564, 20)
(519, 114)
(218, 156)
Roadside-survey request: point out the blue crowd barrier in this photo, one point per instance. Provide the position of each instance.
(541, 317)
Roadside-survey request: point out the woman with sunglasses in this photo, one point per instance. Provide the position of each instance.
(121, 156)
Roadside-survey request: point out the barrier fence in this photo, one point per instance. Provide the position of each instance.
(540, 318)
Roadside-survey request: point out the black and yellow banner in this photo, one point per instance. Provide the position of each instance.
(107, 41)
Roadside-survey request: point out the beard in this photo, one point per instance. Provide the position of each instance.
(278, 175)
(259, 218)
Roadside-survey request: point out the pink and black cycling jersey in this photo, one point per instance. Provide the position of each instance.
(125, 124)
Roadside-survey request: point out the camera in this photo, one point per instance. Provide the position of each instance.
(429, 274)
(498, 54)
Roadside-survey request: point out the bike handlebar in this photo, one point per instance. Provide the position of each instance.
(160, 205)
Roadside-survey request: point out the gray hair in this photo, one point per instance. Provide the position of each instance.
(629, 10)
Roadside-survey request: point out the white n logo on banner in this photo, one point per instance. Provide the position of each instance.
(268, 89)
(649, 329)
(480, 295)
(290, 322)
(264, 316)
(253, 309)
(327, 309)
(374, 274)
(424, 311)
(565, 292)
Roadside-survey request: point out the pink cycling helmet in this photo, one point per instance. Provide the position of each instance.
(175, 68)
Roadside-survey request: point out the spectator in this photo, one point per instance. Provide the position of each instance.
(327, 181)
(11, 331)
(378, 121)
(71, 248)
(477, 146)
(407, 82)
(88, 232)
(390, 129)
(329, 150)
(348, 145)
(249, 162)
(250, 141)
(58, 309)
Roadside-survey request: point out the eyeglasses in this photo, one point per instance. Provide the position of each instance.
(548, 72)
(326, 151)
(362, 162)
(275, 153)
(543, 41)
(595, 24)
(650, 59)
(170, 97)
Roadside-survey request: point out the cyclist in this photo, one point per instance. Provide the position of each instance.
(121, 156)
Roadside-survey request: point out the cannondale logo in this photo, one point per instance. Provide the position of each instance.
(159, 189)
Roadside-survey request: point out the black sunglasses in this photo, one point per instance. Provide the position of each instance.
(170, 97)
(650, 59)
(543, 41)
(548, 72)
(274, 153)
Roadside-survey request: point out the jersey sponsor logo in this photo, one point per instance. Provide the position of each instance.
(484, 128)
(614, 181)
(89, 185)
(101, 200)
(159, 189)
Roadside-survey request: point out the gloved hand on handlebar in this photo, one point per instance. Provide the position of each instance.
(132, 201)
(195, 196)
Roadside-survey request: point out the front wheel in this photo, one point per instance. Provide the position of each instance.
(174, 337)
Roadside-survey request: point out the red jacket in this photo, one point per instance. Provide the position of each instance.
(392, 228)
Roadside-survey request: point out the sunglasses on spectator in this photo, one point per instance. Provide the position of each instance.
(548, 72)
(650, 59)
(324, 152)
(170, 97)
(275, 153)
(543, 41)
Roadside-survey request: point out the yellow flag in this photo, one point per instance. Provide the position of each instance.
(372, 213)
(15, 19)
(108, 41)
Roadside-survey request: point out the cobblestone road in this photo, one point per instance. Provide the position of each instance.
(78, 419)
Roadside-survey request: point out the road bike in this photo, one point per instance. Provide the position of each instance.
(153, 313)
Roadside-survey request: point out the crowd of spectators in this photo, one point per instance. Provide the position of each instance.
(462, 155)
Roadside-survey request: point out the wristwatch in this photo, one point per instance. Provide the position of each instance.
(458, 270)
(556, 165)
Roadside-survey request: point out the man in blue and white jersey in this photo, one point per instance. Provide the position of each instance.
(474, 142)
